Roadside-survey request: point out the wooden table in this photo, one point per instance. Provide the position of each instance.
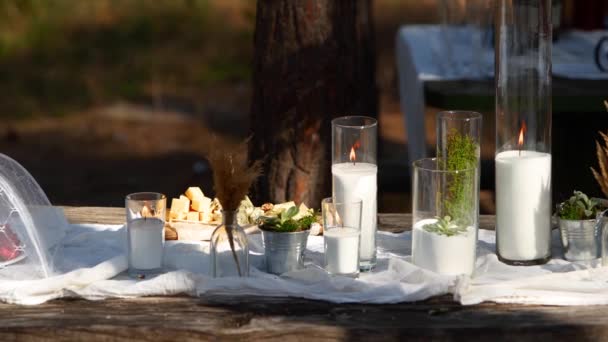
(262, 318)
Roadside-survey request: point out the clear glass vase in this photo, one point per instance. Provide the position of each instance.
(229, 248)
(445, 220)
(523, 132)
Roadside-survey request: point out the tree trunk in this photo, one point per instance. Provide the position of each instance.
(314, 60)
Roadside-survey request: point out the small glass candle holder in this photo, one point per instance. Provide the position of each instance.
(342, 236)
(445, 220)
(354, 171)
(146, 232)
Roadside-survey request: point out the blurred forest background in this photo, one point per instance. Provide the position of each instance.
(106, 97)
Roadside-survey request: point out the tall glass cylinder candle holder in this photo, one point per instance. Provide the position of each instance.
(523, 131)
(146, 232)
(354, 171)
(445, 220)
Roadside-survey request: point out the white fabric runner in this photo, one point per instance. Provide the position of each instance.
(94, 261)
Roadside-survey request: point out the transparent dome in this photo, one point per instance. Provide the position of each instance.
(30, 228)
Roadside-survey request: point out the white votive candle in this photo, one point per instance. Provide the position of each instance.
(353, 181)
(342, 250)
(146, 238)
(523, 205)
(449, 255)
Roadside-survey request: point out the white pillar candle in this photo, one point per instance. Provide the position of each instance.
(523, 205)
(342, 250)
(450, 255)
(353, 181)
(146, 237)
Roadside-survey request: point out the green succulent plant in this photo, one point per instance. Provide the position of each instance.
(287, 222)
(578, 207)
(446, 226)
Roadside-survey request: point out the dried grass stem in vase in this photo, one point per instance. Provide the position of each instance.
(601, 176)
(233, 175)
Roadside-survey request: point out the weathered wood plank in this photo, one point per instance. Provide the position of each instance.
(256, 318)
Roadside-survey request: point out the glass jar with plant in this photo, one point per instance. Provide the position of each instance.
(458, 148)
(440, 242)
(580, 227)
(285, 230)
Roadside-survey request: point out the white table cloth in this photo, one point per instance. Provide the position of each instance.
(94, 263)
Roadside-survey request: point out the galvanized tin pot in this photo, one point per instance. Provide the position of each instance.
(581, 239)
(284, 252)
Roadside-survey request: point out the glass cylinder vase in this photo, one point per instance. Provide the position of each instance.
(229, 252)
(459, 143)
(445, 220)
(354, 171)
(523, 131)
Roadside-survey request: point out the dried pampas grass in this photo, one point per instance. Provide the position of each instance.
(601, 176)
(233, 175)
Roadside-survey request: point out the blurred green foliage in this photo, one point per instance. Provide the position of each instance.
(62, 56)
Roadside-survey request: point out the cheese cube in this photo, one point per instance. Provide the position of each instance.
(194, 192)
(201, 204)
(192, 216)
(179, 208)
(205, 217)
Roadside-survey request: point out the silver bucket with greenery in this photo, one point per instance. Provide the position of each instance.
(285, 232)
(580, 227)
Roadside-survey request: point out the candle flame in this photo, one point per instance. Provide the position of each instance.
(353, 154)
(522, 131)
(146, 211)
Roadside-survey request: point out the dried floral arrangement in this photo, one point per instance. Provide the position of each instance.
(233, 175)
(601, 176)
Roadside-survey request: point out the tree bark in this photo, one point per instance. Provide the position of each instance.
(314, 60)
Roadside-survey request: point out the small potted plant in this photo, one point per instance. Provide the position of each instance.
(580, 233)
(285, 230)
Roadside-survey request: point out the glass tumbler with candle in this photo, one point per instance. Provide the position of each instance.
(523, 132)
(354, 171)
(146, 232)
(342, 236)
(445, 219)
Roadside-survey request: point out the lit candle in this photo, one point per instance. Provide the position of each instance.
(146, 232)
(352, 181)
(146, 238)
(341, 250)
(523, 203)
(354, 170)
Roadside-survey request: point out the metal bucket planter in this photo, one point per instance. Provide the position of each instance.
(581, 239)
(284, 252)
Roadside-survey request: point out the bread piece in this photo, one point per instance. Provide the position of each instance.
(202, 204)
(194, 192)
(192, 216)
